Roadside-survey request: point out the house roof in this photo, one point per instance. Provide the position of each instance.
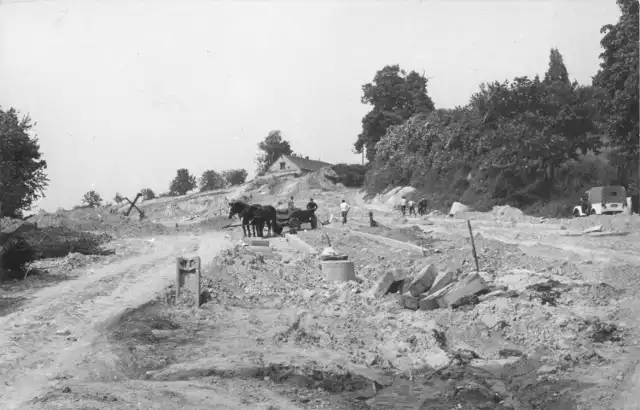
(307, 164)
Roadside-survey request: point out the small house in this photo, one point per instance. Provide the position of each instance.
(292, 164)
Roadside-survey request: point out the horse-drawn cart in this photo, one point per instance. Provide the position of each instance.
(294, 218)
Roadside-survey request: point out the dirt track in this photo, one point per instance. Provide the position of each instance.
(47, 337)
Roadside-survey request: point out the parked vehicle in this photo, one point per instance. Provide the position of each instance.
(607, 200)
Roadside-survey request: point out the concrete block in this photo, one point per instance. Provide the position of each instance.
(442, 280)
(384, 284)
(468, 285)
(408, 301)
(259, 242)
(342, 271)
(424, 280)
(432, 301)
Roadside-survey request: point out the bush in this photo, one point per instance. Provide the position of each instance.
(350, 175)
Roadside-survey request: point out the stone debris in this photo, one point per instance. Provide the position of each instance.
(424, 280)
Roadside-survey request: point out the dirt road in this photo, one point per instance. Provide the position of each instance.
(42, 342)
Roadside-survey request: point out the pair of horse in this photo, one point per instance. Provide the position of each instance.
(255, 216)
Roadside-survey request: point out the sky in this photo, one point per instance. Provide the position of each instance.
(125, 92)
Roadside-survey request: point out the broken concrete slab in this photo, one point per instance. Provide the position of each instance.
(408, 301)
(596, 228)
(442, 280)
(468, 285)
(384, 284)
(431, 300)
(452, 294)
(424, 280)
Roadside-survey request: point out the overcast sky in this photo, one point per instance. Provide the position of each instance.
(125, 92)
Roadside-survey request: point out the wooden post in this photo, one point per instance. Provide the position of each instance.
(473, 246)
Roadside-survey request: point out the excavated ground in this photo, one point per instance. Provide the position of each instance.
(273, 334)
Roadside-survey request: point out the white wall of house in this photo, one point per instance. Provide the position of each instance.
(283, 166)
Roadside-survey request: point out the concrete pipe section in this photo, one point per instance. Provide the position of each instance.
(341, 271)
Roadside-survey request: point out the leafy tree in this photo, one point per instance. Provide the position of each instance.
(147, 193)
(618, 75)
(118, 199)
(92, 199)
(395, 96)
(22, 169)
(272, 147)
(350, 175)
(211, 180)
(182, 183)
(235, 176)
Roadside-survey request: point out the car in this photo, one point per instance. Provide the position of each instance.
(603, 200)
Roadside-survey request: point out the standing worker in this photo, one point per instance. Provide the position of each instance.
(291, 204)
(312, 206)
(412, 207)
(344, 209)
(403, 206)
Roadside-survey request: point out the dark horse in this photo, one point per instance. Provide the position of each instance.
(254, 213)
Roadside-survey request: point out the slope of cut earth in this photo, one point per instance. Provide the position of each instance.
(44, 338)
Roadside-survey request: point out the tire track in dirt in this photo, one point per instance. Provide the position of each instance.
(59, 324)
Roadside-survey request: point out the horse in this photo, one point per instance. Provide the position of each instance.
(257, 214)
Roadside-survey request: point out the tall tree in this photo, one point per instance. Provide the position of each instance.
(211, 180)
(272, 147)
(618, 75)
(557, 71)
(182, 183)
(22, 169)
(118, 198)
(395, 96)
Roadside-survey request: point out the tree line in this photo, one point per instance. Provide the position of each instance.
(521, 141)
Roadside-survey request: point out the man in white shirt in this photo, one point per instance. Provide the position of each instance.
(344, 209)
(412, 207)
(403, 206)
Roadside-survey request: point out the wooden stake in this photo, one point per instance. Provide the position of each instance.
(473, 246)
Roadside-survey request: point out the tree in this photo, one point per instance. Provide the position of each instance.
(22, 169)
(147, 193)
(618, 75)
(118, 199)
(182, 183)
(211, 180)
(235, 176)
(395, 96)
(92, 199)
(272, 147)
(557, 71)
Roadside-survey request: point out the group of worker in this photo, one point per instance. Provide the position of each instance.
(405, 205)
(312, 206)
(410, 205)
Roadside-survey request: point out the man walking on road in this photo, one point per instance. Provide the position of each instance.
(344, 210)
